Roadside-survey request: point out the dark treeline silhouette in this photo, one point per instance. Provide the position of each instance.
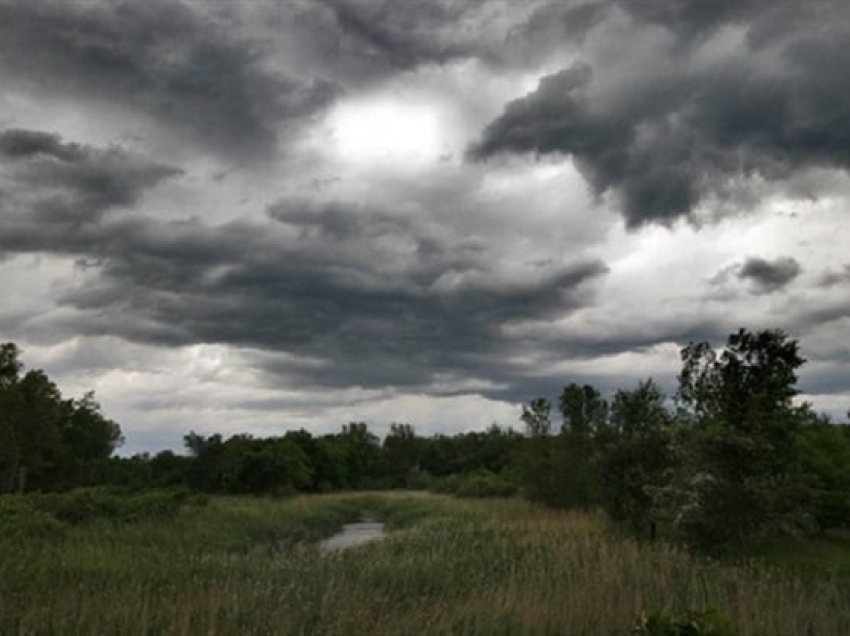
(727, 460)
(297, 461)
(47, 442)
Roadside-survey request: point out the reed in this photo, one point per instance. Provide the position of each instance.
(251, 566)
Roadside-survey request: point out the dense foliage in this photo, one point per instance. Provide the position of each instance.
(729, 459)
(48, 442)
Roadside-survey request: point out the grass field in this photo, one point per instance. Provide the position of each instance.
(822, 557)
(250, 566)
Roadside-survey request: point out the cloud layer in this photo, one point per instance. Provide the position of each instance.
(333, 283)
(292, 214)
(166, 59)
(726, 91)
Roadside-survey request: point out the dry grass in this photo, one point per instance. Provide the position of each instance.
(450, 567)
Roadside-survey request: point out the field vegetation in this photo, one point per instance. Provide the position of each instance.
(241, 565)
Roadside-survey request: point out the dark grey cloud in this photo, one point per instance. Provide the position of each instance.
(355, 42)
(335, 219)
(362, 296)
(666, 137)
(833, 277)
(165, 58)
(249, 285)
(550, 24)
(764, 22)
(22, 144)
(396, 36)
(769, 276)
(46, 179)
(690, 22)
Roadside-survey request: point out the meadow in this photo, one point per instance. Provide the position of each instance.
(246, 566)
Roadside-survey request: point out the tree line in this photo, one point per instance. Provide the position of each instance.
(48, 442)
(728, 459)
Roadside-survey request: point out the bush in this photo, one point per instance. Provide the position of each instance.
(77, 506)
(485, 484)
(479, 484)
(445, 485)
(708, 622)
(831, 508)
(20, 519)
(417, 479)
(82, 505)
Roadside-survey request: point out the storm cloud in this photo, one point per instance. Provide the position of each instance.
(330, 282)
(756, 95)
(769, 276)
(250, 285)
(262, 215)
(167, 59)
(47, 180)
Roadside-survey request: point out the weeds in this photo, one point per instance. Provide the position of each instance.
(250, 566)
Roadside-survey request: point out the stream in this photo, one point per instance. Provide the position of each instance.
(352, 535)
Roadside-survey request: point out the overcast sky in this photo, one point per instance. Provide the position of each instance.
(255, 216)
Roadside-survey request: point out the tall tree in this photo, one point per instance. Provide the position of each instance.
(585, 411)
(584, 429)
(402, 453)
(47, 442)
(537, 458)
(637, 460)
(742, 468)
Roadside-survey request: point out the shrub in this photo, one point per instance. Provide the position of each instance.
(20, 519)
(710, 622)
(485, 484)
(447, 485)
(86, 504)
(479, 484)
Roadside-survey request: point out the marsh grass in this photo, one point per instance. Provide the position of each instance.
(251, 566)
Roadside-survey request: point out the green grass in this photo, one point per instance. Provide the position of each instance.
(824, 556)
(503, 566)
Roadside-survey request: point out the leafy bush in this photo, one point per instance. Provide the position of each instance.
(831, 508)
(479, 484)
(20, 519)
(445, 485)
(710, 622)
(485, 484)
(82, 505)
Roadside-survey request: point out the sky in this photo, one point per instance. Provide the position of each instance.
(250, 217)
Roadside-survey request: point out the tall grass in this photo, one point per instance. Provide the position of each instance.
(251, 566)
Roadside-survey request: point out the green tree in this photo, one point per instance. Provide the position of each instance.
(89, 439)
(37, 424)
(740, 476)
(207, 467)
(584, 410)
(47, 442)
(402, 453)
(274, 465)
(325, 459)
(824, 450)
(638, 460)
(584, 430)
(10, 416)
(360, 450)
(537, 460)
(639, 411)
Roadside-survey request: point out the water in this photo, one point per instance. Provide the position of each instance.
(353, 534)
